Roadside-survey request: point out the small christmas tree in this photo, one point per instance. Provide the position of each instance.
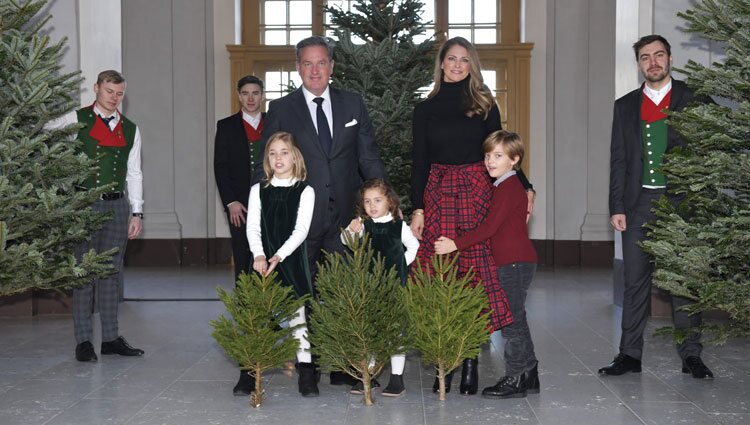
(44, 211)
(448, 319)
(360, 320)
(702, 247)
(254, 336)
(388, 70)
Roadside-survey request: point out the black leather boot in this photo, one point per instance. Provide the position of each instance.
(470, 376)
(448, 379)
(532, 380)
(515, 386)
(245, 385)
(308, 382)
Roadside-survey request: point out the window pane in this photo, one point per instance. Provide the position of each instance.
(490, 80)
(297, 35)
(429, 31)
(294, 76)
(275, 13)
(459, 11)
(275, 37)
(485, 11)
(459, 32)
(300, 12)
(486, 36)
(428, 11)
(273, 81)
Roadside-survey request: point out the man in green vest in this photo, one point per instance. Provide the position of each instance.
(640, 138)
(115, 143)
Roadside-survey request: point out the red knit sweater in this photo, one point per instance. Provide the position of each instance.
(505, 226)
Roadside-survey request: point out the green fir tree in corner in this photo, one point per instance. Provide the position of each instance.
(388, 69)
(702, 247)
(360, 320)
(448, 319)
(44, 214)
(254, 335)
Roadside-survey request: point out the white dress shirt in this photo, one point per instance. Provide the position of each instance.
(407, 237)
(301, 227)
(657, 96)
(134, 176)
(313, 107)
(252, 120)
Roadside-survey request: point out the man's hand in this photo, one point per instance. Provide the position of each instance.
(444, 245)
(417, 223)
(237, 213)
(134, 227)
(619, 222)
(530, 206)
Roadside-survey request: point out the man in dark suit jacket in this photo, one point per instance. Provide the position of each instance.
(235, 152)
(334, 133)
(640, 137)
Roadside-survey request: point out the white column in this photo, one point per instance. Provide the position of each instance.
(100, 35)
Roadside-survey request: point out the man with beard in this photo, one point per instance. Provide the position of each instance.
(640, 138)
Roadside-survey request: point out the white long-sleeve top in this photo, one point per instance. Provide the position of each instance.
(407, 237)
(134, 176)
(301, 226)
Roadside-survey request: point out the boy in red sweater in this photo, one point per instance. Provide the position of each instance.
(514, 256)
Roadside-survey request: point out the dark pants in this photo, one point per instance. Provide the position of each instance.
(519, 349)
(330, 241)
(637, 297)
(240, 249)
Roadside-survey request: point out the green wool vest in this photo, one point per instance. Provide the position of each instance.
(111, 162)
(385, 239)
(654, 137)
(278, 215)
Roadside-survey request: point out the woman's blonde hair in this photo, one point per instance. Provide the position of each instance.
(511, 143)
(479, 97)
(299, 171)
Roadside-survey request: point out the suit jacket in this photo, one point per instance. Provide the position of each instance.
(232, 160)
(626, 155)
(354, 153)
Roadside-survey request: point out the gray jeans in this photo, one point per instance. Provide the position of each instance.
(519, 349)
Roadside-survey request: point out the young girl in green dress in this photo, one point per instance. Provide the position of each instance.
(377, 215)
(278, 220)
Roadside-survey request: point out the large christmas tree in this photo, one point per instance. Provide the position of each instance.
(388, 69)
(702, 247)
(43, 210)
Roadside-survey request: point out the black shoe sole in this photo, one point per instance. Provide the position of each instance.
(686, 370)
(92, 360)
(499, 397)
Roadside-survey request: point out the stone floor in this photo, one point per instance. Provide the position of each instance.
(185, 379)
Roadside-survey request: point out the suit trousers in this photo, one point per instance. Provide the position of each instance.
(114, 234)
(240, 249)
(330, 241)
(639, 268)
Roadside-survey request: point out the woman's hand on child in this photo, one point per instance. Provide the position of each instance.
(355, 226)
(444, 245)
(260, 265)
(272, 263)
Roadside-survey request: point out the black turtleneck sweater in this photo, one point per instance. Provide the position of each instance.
(443, 134)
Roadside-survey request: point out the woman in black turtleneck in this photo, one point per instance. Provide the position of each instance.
(451, 189)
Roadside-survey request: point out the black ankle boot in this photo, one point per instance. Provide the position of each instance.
(308, 382)
(470, 376)
(532, 380)
(515, 386)
(395, 386)
(245, 385)
(448, 379)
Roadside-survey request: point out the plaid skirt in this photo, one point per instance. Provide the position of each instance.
(456, 200)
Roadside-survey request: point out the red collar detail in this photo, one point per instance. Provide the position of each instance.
(651, 112)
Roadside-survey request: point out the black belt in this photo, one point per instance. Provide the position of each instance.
(111, 196)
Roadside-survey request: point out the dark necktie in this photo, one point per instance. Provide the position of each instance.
(107, 120)
(324, 132)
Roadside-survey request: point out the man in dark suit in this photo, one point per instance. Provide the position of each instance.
(235, 151)
(334, 133)
(640, 138)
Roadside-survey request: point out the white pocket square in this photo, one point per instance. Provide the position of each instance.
(351, 123)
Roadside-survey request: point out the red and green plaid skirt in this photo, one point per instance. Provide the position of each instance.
(456, 200)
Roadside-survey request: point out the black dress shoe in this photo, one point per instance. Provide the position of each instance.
(308, 383)
(245, 386)
(85, 352)
(342, 378)
(695, 366)
(469, 377)
(395, 386)
(121, 347)
(621, 364)
(448, 379)
(359, 387)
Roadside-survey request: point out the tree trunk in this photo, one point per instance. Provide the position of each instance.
(367, 381)
(256, 398)
(441, 381)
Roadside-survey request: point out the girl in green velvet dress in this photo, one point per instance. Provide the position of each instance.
(278, 220)
(377, 215)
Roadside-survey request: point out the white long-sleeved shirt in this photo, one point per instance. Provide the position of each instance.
(407, 237)
(134, 176)
(301, 227)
